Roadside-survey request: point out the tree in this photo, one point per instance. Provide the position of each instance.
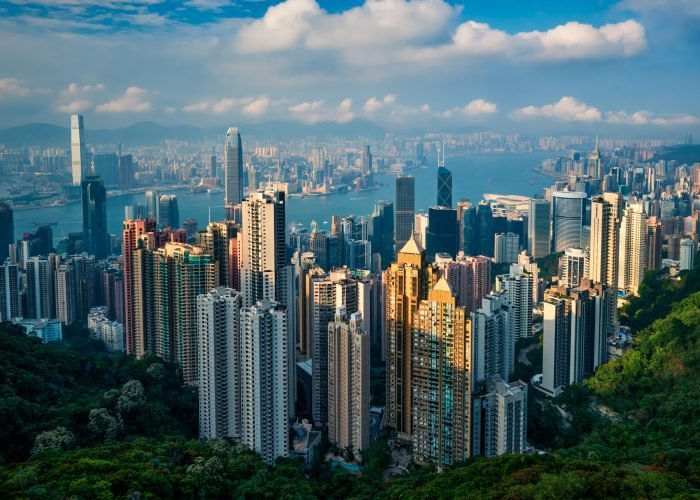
(59, 438)
(105, 425)
(132, 397)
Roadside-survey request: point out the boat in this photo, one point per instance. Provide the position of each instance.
(214, 190)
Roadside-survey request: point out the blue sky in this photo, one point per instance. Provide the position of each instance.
(627, 67)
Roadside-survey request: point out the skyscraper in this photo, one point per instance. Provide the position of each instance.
(538, 226)
(7, 230)
(41, 301)
(66, 293)
(152, 204)
(500, 418)
(381, 233)
(407, 282)
(442, 361)
(348, 381)
(605, 236)
(10, 305)
(133, 308)
(219, 363)
(126, 172)
(444, 187)
(518, 285)
(405, 209)
(688, 250)
(493, 337)
(106, 166)
(568, 209)
(220, 240)
(264, 380)
(442, 231)
(366, 161)
(484, 229)
(233, 168)
(168, 211)
(95, 235)
(633, 243)
(573, 267)
(654, 243)
(506, 248)
(79, 161)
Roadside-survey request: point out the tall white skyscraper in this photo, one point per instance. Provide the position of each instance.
(348, 382)
(219, 363)
(264, 380)
(79, 161)
(518, 285)
(266, 273)
(633, 242)
(687, 254)
(233, 168)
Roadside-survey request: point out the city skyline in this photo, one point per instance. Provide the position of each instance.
(310, 72)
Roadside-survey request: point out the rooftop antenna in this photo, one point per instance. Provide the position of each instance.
(441, 154)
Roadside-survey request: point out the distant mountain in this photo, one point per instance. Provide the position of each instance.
(684, 153)
(150, 133)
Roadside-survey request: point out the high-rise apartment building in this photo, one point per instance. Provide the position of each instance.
(133, 309)
(407, 282)
(41, 301)
(95, 235)
(573, 267)
(440, 382)
(307, 269)
(633, 244)
(79, 157)
(688, 250)
(506, 248)
(605, 236)
(220, 240)
(7, 230)
(233, 168)
(219, 363)
(67, 301)
(500, 418)
(654, 243)
(405, 209)
(444, 187)
(348, 381)
(10, 304)
(568, 211)
(518, 285)
(493, 338)
(265, 380)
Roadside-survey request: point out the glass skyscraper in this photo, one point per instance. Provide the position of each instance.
(444, 187)
(95, 235)
(405, 209)
(233, 168)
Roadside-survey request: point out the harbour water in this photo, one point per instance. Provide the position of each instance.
(473, 175)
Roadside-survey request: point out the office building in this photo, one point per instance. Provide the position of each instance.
(506, 248)
(318, 245)
(233, 168)
(493, 338)
(265, 380)
(654, 243)
(168, 212)
(468, 236)
(381, 234)
(568, 211)
(7, 230)
(152, 205)
(348, 381)
(126, 172)
(442, 361)
(106, 167)
(41, 299)
(573, 267)
(405, 209)
(444, 187)
(633, 244)
(10, 302)
(219, 363)
(407, 282)
(500, 418)
(96, 240)
(366, 161)
(538, 228)
(688, 250)
(79, 156)
(484, 229)
(441, 234)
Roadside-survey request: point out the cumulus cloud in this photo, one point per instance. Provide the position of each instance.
(249, 106)
(317, 111)
(13, 88)
(647, 118)
(77, 98)
(567, 109)
(374, 104)
(134, 100)
(426, 30)
(257, 107)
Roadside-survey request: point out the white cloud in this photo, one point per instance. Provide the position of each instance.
(208, 4)
(647, 118)
(258, 107)
(316, 111)
(426, 31)
(77, 98)
(567, 109)
(12, 87)
(479, 107)
(373, 104)
(134, 100)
